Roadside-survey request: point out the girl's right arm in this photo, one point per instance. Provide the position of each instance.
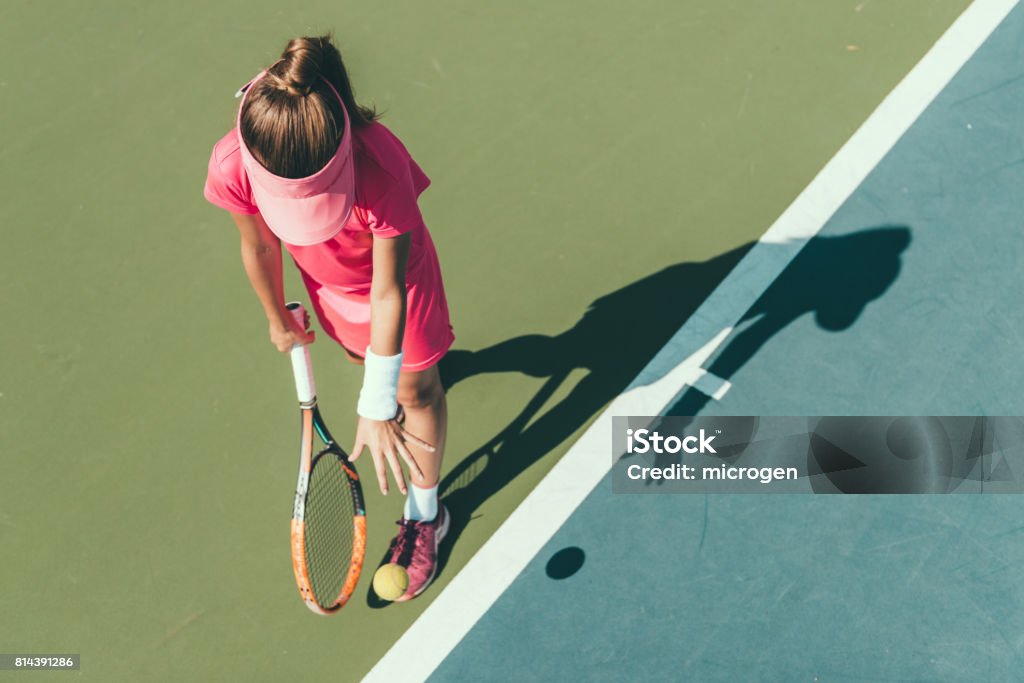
(261, 256)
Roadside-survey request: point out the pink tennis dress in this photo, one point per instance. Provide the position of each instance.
(337, 273)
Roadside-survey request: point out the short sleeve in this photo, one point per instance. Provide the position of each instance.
(226, 184)
(396, 211)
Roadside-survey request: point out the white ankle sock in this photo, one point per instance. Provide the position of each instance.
(421, 504)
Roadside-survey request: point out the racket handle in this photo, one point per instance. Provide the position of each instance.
(302, 368)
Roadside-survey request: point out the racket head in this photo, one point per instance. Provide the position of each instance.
(328, 526)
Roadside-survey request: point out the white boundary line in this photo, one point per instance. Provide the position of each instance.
(486, 576)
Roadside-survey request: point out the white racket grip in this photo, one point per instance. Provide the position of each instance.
(302, 368)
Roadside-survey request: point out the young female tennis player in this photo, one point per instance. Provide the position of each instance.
(308, 168)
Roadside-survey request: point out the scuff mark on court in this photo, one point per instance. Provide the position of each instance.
(188, 621)
(987, 91)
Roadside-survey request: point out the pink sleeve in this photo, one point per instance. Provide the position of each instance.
(396, 212)
(419, 178)
(227, 188)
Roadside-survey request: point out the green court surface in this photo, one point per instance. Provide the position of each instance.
(147, 427)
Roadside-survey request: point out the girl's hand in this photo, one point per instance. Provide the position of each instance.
(387, 440)
(287, 333)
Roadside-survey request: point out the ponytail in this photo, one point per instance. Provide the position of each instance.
(333, 69)
(291, 121)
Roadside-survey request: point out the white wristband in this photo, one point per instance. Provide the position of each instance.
(378, 397)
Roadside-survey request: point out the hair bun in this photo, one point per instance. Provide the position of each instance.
(303, 60)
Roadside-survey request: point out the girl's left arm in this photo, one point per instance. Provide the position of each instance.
(387, 439)
(387, 294)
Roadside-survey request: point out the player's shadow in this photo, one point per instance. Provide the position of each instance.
(833, 277)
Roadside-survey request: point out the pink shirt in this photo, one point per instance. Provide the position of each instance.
(388, 183)
(337, 273)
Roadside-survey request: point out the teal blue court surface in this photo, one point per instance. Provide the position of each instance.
(904, 299)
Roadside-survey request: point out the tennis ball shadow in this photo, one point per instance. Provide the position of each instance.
(374, 601)
(565, 563)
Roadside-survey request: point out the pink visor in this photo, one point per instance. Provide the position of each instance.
(303, 211)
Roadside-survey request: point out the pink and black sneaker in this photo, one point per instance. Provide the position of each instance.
(415, 548)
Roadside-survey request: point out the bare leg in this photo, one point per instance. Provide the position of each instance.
(426, 416)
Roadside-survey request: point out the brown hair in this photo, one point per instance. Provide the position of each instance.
(291, 121)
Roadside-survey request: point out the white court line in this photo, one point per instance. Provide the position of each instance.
(486, 576)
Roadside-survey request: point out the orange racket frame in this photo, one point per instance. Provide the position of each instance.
(313, 425)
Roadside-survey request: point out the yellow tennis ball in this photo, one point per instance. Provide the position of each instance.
(390, 582)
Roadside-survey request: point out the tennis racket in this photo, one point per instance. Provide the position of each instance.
(328, 516)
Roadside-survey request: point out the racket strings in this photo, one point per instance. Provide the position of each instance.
(329, 528)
